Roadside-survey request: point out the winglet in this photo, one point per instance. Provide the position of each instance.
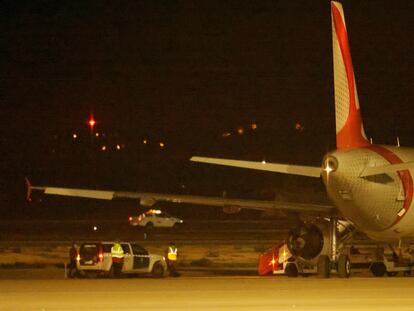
(29, 190)
(349, 128)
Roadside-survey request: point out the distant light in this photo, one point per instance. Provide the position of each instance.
(103, 148)
(92, 122)
(253, 126)
(95, 228)
(118, 147)
(263, 162)
(97, 134)
(162, 145)
(299, 127)
(75, 135)
(226, 134)
(145, 142)
(240, 131)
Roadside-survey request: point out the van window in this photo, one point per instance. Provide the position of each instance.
(89, 251)
(139, 250)
(126, 248)
(107, 248)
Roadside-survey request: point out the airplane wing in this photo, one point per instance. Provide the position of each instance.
(230, 205)
(301, 170)
(385, 169)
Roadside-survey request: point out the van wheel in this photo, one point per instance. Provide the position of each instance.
(157, 270)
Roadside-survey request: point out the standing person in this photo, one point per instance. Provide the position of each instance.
(172, 254)
(117, 258)
(73, 254)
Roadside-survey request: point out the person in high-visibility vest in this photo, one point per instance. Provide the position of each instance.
(117, 258)
(172, 254)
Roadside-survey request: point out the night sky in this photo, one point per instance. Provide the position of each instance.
(184, 73)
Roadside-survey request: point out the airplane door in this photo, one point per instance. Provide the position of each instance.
(128, 258)
(141, 258)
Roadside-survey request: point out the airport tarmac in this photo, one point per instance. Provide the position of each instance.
(209, 293)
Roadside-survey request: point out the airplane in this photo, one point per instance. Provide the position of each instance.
(370, 185)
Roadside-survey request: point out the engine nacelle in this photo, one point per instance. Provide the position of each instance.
(306, 241)
(231, 209)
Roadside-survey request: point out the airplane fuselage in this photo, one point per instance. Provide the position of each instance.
(379, 205)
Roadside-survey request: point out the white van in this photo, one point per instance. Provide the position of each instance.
(95, 259)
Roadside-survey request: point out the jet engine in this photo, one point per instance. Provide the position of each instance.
(305, 241)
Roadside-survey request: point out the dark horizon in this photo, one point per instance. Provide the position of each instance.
(185, 73)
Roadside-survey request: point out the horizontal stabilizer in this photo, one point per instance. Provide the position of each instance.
(309, 171)
(386, 169)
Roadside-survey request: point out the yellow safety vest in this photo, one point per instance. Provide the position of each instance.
(172, 253)
(117, 251)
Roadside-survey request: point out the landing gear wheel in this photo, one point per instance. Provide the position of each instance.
(344, 266)
(378, 269)
(324, 266)
(291, 270)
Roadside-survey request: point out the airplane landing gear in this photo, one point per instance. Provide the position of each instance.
(324, 266)
(340, 264)
(344, 266)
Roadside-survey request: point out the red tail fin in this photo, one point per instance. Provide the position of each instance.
(349, 128)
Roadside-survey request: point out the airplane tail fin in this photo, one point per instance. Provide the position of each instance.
(349, 128)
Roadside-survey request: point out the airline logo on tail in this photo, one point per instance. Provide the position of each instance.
(349, 129)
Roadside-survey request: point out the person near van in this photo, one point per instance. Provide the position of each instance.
(73, 254)
(117, 258)
(172, 254)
